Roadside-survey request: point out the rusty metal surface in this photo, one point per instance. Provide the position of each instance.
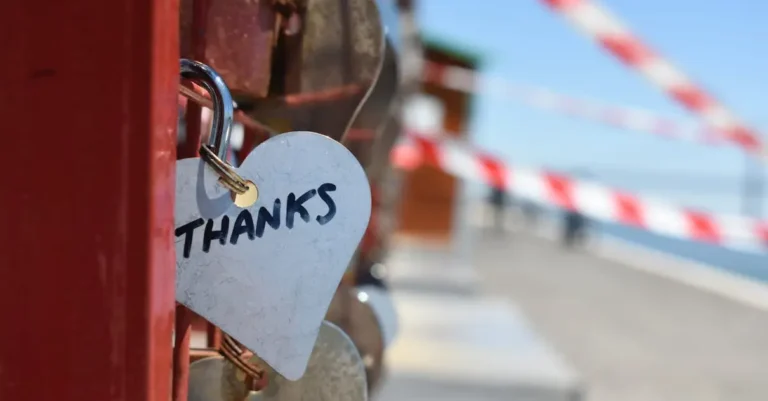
(238, 40)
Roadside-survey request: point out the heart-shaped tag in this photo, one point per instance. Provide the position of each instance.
(266, 274)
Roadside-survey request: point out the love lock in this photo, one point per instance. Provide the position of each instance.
(301, 64)
(368, 316)
(261, 248)
(208, 381)
(237, 38)
(329, 68)
(335, 372)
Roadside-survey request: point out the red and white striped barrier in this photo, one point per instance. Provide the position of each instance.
(607, 30)
(594, 200)
(623, 117)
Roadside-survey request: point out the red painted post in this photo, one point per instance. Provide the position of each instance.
(88, 93)
(184, 316)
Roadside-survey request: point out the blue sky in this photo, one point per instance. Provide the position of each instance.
(722, 45)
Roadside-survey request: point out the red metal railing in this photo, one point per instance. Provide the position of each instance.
(86, 287)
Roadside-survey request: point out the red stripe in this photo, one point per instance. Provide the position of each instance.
(430, 153)
(562, 4)
(560, 190)
(494, 171)
(434, 73)
(762, 233)
(744, 137)
(701, 227)
(692, 98)
(629, 210)
(627, 49)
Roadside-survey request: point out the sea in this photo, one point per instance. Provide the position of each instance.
(752, 264)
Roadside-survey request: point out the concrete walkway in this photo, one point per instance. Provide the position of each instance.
(520, 318)
(456, 343)
(632, 335)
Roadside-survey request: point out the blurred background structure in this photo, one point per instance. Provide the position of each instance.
(643, 310)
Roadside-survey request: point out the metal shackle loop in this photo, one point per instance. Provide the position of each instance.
(215, 152)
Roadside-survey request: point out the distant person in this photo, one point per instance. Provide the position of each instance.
(575, 224)
(498, 200)
(574, 229)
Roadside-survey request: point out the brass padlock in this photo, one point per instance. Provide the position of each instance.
(335, 372)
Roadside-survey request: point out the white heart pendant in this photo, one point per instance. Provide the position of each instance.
(266, 274)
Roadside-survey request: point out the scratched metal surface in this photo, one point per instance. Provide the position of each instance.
(335, 373)
(271, 293)
(359, 322)
(341, 46)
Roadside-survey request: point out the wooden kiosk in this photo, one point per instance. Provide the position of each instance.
(430, 195)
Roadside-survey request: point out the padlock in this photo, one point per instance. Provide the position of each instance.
(237, 40)
(262, 247)
(209, 381)
(335, 373)
(330, 67)
(360, 323)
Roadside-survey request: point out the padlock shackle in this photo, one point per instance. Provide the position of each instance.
(223, 108)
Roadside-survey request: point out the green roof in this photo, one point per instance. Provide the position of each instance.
(462, 52)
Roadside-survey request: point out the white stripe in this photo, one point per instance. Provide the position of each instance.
(545, 99)
(459, 79)
(663, 219)
(594, 20)
(740, 232)
(719, 117)
(458, 161)
(529, 184)
(663, 74)
(594, 201)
